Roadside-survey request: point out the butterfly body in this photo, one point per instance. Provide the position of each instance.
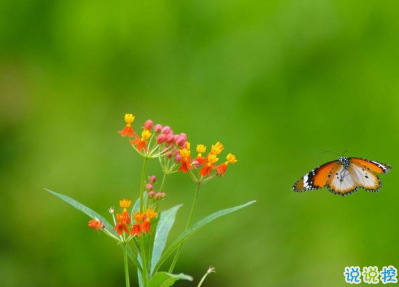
(344, 176)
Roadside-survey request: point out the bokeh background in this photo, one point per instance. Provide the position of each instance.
(278, 82)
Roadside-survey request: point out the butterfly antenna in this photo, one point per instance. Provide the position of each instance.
(335, 153)
(345, 151)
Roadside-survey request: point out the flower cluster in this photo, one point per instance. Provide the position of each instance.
(174, 153)
(205, 164)
(150, 189)
(123, 222)
(165, 140)
(142, 220)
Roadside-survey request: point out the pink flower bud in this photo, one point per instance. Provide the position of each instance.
(158, 128)
(161, 138)
(158, 195)
(180, 141)
(163, 194)
(149, 186)
(151, 194)
(166, 130)
(148, 125)
(169, 155)
(178, 158)
(170, 138)
(196, 164)
(177, 151)
(183, 135)
(153, 178)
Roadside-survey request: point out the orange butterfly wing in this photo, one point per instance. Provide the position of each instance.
(371, 164)
(316, 178)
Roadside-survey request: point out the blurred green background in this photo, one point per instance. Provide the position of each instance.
(278, 82)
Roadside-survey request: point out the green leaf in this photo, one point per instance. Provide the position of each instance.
(166, 221)
(163, 279)
(91, 213)
(193, 229)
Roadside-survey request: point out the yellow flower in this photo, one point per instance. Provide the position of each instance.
(212, 159)
(231, 158)
(217, 148)
(201, 149)
(185, 153)
(150, 214)
(129, 118)
(145, 135)
(124, 203)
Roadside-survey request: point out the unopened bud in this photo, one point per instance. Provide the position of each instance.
(178, 158)
(170, 138)
(161, 138)
(148, 125)
(166, 130)
(153, 178)
(180, 141)
(158, 128)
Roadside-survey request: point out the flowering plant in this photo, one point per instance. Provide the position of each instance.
(142, 229)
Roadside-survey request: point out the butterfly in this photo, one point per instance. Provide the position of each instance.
(344, 176)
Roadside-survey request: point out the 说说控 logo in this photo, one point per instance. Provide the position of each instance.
(370, 275)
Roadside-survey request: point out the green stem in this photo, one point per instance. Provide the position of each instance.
(125, 259)
(142, 187)
(163, 182)
(190, 217)
(210, 270)
(144, 259)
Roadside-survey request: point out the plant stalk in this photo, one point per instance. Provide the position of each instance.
(142, 187)
(210, 270)
(190, 217)
(125, 260)
(143, 250)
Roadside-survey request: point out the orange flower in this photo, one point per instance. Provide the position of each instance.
(141, 143)
(128, 130)
(121, 227)
(95, 224)
(136, 230)
(221, 169)
(185, 158)
(138, 216)
(123, 217)
(199, 160)
(211, 159)
(124, 203)
(145, 226)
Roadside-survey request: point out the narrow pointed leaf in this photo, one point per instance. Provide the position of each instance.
(193, 229)
(163, 279)
(91, 213)
(166, 221)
